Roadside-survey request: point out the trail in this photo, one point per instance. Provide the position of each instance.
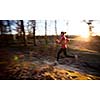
(87, 62)
(27, 60)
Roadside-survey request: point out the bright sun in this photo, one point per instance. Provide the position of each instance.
(84, 32)
(84, 35)
(79, 28)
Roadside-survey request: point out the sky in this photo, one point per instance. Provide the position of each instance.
(74, 27)
(61, 26)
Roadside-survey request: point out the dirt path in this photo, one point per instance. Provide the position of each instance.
(24, 63)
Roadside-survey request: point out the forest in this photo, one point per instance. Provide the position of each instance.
(24, 55)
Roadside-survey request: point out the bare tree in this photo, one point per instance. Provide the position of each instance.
(34, 26)
(67, 24)
(5, 26)
(32, 29)
(1, 27)
(23, 31)
(9, 26)
(56, 27)
(89, 23)
(46, 41)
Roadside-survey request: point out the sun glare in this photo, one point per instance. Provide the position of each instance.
(84, 35)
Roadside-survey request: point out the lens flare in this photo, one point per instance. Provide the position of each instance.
(15, 58)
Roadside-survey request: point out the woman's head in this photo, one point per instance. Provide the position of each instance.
(62, 33)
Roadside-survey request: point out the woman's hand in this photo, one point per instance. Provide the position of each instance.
(57, 41)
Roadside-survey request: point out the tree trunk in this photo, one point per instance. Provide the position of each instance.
(46, 41)
(89, 23)
(56, 28)
(55, 36)
(2, 27)
(23, 31)
(34, 26)
(90, 30)
(9, 26)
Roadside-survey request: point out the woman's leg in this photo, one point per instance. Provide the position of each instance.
(64, 51)
(58, 54)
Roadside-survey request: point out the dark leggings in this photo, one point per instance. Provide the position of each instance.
(60, 51)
